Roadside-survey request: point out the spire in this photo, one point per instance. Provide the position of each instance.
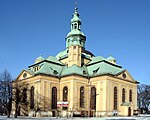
(75, 36)
(76, 9)
(75, 21)
(76, 4)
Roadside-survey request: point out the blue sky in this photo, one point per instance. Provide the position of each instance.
(120, 28)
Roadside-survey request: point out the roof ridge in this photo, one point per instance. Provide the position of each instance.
(62, 70)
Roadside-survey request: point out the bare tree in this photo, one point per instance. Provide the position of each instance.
(19, 97)
(144, 97)
(6, 92)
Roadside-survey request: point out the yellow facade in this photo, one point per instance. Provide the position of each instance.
(104, 93)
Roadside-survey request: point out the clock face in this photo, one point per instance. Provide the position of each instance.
(24, 75)
(124, 75)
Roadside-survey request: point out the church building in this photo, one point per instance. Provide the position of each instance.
(75, 83)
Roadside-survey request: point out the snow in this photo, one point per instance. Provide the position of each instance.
(140, 117)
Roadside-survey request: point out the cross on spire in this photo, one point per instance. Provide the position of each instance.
(76, 4)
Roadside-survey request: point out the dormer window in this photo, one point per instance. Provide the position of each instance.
(80, 42)
(55, 72)
(36, 68)
(84, 72)
(95, 71)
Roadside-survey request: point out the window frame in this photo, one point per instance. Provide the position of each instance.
(115, 98)
(123, 95)
(32, 97)
(130, 95)
(82, 97)
(93, 98)
(54, 98)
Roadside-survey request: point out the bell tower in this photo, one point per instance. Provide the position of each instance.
(74, 55)
(75, 40)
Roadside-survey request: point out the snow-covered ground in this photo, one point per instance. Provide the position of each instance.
(140, 117)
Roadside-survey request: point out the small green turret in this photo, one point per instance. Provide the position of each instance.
(39, 59)
(111, 59)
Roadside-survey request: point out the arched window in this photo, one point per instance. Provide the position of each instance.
(17, 96)
(115, 98)
(65, 96)
(54, 98)
(32, 97)
(93, 98)
(130, 96)
(24, 99)
(75, 26)
(82, 97)
(123, 95)
(65, 93)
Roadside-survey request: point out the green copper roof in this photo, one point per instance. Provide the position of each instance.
(75, 32)
(96, 59)
(50, 69)
(39, 59)
(29, 71)
(52, 66)
(76, 16)
(62, 54)
(98, 66)
(86, 55)
(111, 58)
(126, 104)
(75, 36)
(103, 67)
(54, 59)
(74, 69)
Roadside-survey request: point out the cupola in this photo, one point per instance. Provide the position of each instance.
(75, 36)
(75, 21)
(111, 59)
(39, 59)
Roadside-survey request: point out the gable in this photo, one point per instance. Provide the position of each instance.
(23, 75)
(125, 75)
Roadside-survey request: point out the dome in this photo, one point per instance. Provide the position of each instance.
(62, 54)
(87, 54)
(75, 19)
(76, 16)
(111, 58)
(75, 32)
(39, 59)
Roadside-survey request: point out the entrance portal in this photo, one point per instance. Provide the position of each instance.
(54, 114)
(129, 111)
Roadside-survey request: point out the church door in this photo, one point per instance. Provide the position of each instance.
(54, 113)
(129, 111)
